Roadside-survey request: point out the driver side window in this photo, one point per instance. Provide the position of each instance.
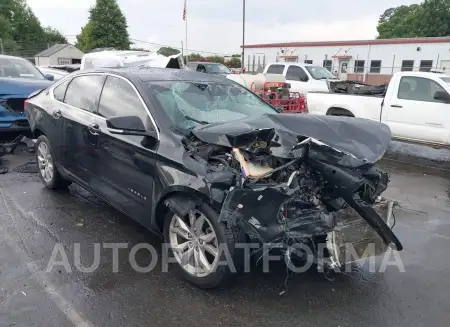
(119, 98)
(296, 73)
(418, 89)
(201, 68)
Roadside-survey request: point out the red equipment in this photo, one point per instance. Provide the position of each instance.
(279, 96)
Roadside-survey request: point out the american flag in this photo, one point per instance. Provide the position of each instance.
(185, 10)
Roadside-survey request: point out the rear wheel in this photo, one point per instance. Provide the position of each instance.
(204, 249)
(48, 173)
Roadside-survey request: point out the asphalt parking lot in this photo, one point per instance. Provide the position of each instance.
(34, 219)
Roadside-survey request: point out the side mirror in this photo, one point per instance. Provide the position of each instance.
(49, 77)
(303, 78)
(442, 96)
(128, 125)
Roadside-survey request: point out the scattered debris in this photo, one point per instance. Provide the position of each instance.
(29, 167)
(24, 293)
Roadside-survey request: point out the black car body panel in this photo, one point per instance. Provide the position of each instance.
(360, 141)
(309, 167)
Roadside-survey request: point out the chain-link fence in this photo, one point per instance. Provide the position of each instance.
(28, 50)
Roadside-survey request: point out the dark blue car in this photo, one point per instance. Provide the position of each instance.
(18, 79)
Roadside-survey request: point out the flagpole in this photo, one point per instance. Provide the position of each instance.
(186, 41)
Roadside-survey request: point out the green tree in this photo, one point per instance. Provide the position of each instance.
(194, 57)
(433, 19)
(107, 27)
(234, 62)
(168, 51)
(84, 38)
(21, 30)
(7, 44)
(217, 59)
(54, 36)
(429, 19)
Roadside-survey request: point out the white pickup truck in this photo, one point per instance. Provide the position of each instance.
(303, 78)
(415, 106)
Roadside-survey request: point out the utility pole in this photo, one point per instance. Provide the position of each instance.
(1, 45)
(243, 36)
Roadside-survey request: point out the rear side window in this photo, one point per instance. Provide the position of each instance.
(60, 91)
(84, 92)
(120, 99)
(296, 73)
(275, 69)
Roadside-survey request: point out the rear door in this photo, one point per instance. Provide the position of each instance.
(55, 121)
(414, 114)
(126, 163)
(80, 129)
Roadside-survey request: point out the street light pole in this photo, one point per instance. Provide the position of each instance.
(243, 36)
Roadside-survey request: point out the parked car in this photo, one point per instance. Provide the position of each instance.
(303, 78)
(18, 79)
(415, 106)
(191, 155)
(56, 73)
(209, 68)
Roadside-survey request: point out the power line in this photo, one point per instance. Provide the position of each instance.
(178, 48)
(165, 45)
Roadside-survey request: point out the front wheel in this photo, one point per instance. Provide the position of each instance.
(48, 173)
(204, 249)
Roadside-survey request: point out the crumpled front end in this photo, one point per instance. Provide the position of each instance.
(290, 190)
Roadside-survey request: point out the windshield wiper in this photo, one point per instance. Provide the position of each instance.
(196, 120)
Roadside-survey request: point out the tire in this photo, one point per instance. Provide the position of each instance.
(55, 180)
(227, 237)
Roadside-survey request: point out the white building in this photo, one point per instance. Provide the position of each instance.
(59, 54)
(372, 61)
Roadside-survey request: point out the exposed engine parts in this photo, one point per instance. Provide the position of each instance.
(295, 188)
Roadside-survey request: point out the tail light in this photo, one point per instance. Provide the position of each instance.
(25, 103)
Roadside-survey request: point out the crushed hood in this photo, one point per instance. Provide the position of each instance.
(342, 140)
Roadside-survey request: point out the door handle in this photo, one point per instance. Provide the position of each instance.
(434, 124)
(57, 114)
(396, 106)
(94, 129)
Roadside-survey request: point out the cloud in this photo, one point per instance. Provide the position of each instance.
(216, 26)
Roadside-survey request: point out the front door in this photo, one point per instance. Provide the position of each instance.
(413, 113)
(127, 164)
(80, 133)
(343, 67)
(297, 77)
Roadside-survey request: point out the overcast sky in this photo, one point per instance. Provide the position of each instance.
(216, 25)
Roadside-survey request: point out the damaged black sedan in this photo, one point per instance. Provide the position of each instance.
(209, 165)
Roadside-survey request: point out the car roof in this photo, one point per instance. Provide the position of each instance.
(422, 74)
(290, 63)
(11, 57)
(147, 74)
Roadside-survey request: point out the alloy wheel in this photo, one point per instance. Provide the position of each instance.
(194, 243)
(45, 162)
